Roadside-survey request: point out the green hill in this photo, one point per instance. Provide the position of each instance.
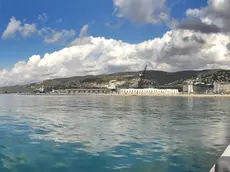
(126, 79)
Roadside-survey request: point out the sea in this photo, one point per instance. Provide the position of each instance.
(101, 133)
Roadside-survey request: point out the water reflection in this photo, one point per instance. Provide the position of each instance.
(114, 132)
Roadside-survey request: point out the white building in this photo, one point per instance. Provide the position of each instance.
(188, 88)
(216, 87)
(221, 87)
(148, 91)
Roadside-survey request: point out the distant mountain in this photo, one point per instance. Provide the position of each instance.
(129, 79)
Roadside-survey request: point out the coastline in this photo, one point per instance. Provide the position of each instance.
(130, 95)
(180, 95)
(183, 95)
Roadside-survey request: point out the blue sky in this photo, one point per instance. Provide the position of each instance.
(50, 39)
(74, 14)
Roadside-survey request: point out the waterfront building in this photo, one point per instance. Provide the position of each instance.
(216, 87)
(221, 88)
(188, 88)
(148, 91)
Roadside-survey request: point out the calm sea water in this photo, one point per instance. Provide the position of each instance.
(109, 133)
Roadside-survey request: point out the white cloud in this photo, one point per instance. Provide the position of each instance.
(217, 12)
(18, 28)
(83, 37)
(54, 36)
(84, 31)
(142, 11)
(12, 28)
(43, 17)
(15, 27)
(28, 29)
(176, 50)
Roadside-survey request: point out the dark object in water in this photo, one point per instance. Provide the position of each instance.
(223, 164)
(1, 146)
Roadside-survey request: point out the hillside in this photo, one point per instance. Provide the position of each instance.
(123, 79)
(129, 79)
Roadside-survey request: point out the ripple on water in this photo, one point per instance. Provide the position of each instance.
(105, 133)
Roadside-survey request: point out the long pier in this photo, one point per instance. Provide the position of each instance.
(71, 91)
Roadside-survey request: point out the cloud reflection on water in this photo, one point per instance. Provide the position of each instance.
(122, 127)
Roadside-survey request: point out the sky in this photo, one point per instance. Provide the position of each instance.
(50, 39)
